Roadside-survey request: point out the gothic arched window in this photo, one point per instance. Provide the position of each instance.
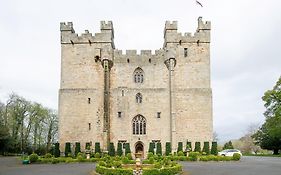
(138, 75)
(138, 98)
(139, 125)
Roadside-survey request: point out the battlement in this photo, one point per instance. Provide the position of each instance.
(143, 53)
(203, 25)
(202, 34)
(68, 35)
(106, 25)
(67, 27)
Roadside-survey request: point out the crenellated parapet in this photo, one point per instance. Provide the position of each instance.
(202, 34)
(68, 35)
(134, 56)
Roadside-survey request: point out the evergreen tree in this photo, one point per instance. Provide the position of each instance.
(67, 149)
(206, 148)
(151, 147)
(180, 146)
(111, 149)
(214, 149)
(97, 147)
(197, 147)
(159, 148)
(119, 149)
(228, 145)
(168, 148)
(77, 148)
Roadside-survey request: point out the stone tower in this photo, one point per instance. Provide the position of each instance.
(109, 96)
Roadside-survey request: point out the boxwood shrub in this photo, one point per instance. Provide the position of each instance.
(33, 157)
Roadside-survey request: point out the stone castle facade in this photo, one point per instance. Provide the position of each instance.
(109, 96)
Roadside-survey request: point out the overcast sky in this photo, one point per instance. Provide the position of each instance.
(245, 48)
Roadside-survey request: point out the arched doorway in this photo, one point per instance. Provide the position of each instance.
(139, 150)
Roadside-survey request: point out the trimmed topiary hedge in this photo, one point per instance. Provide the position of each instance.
(236, 156)
(151, 147)
(206, 148)
(67, 149)
(119, 149)
(57, 150)
(180, 146)
(168, 150)
(111, 149)
(197, 147)
(159, 149)
(88, 146)
(111, 171)
(97, 147)
(127, 148)
(214, 149)
(77, 148)
(163, 171)
(188, 146)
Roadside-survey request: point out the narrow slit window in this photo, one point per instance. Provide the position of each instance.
(89, 125)
(89, 100)
(185, 52)
(158, 114)
(119, 114)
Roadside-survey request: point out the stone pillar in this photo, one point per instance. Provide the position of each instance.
(170, 62)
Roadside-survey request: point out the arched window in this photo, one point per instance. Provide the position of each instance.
(138, 75)
(138, 98)
(139, 125)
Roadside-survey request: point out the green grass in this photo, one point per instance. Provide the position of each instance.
(263, 155)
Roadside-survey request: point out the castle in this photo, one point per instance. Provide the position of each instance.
(109, 96)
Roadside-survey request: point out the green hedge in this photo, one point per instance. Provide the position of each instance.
(88, 146)
(188, 145)
(109, 171)
(163, 171)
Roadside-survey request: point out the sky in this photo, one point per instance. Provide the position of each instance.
(245, 47)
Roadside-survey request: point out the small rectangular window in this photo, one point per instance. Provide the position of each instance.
(89, 126)
(89, 100)
(122, 93)
(158, 114)
(185, 52)
(119, 114)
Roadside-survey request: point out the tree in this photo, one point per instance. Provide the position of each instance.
(269, 134)
(228, 145)
(159, 148)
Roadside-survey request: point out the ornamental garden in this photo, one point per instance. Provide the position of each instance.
(120, 161)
